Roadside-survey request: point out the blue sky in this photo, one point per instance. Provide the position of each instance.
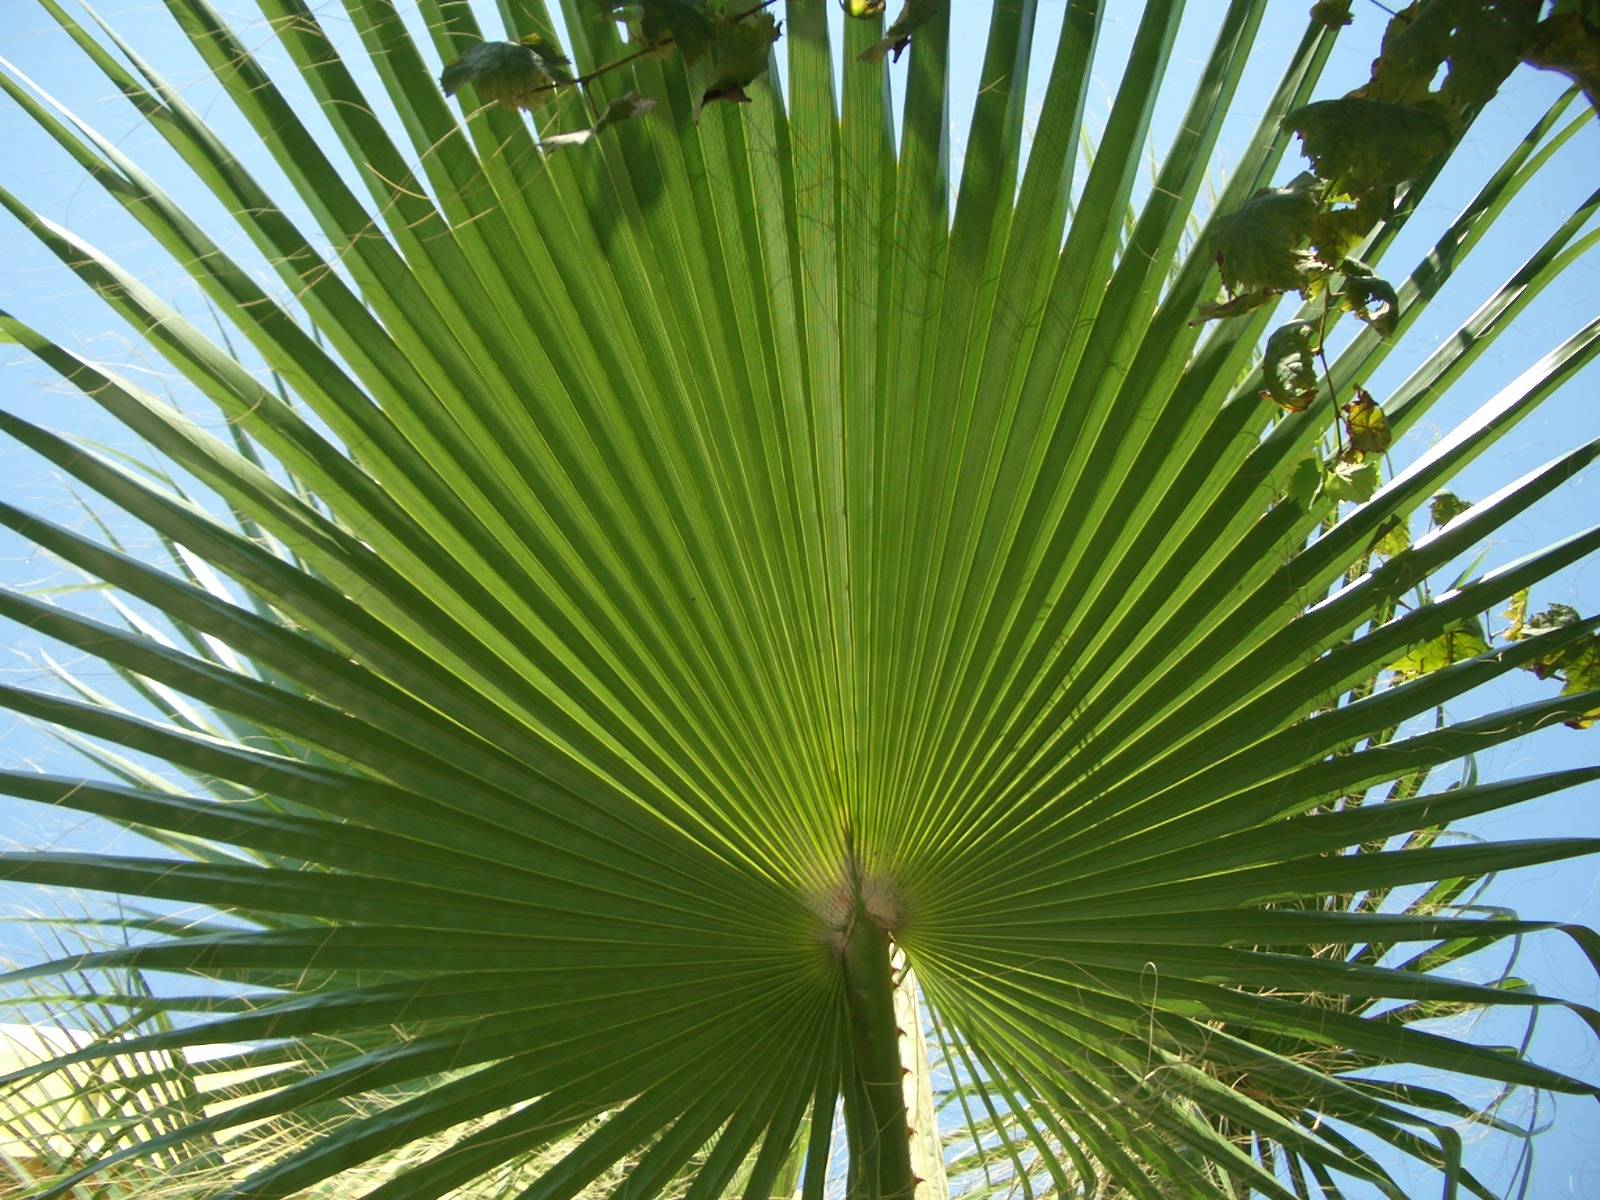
(33, 286)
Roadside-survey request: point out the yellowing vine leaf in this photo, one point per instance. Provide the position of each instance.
(1365, 425)
(1517, 615)
(1462, 640)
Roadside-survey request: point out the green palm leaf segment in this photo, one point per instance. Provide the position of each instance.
(668, 587)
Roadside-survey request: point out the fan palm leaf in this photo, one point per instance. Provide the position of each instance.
(657, 592)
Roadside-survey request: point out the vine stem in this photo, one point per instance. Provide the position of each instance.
(1327, 372)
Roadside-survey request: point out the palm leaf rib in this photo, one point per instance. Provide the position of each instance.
(669, 600)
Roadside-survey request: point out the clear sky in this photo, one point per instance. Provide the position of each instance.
(33, 286)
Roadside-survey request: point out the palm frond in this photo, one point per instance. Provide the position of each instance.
(688, 623)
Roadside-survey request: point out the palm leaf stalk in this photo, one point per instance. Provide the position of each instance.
(674, 574)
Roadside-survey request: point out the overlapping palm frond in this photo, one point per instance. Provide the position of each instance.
(657, 582)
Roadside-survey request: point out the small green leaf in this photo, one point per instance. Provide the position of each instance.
(1304, 482)
(512, 74)
(1290, 367)
(1336, 231)
(1462, 640)
(740, 52)
(1581, 669)
(1332, 13)
(1352, 481)
(897, 37)
(1553, 617)
(1393, 537)
(1369, 144)
(1517, 614)
(1261, 246)
(1365, 425)
(1373, 301)
(1446, 507)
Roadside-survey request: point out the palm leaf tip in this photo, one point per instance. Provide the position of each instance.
(704, 663)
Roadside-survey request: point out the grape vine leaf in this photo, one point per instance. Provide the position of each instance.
(689, 25)
(740, 52)
(1336, 230)
(1580, 672)
(1446, 507)
(1332, 13)
(897, 37)
(1372, 300)
(1517, 615)
(1350, 480)
(1554, 616)
(1365, 425)
(1260, 247)
(1290, 368)
(1568, 41)
(1476, 42)
(1393, 537)
(1463, 639)
(1364, 145)
(511, 74)
(1577, 664)
(1304, 481)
